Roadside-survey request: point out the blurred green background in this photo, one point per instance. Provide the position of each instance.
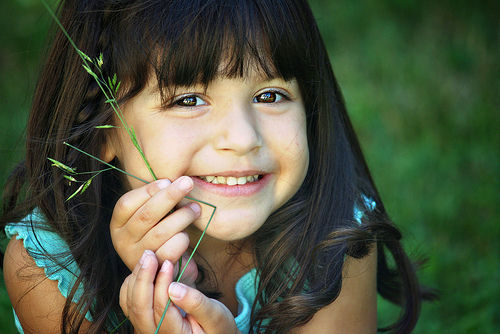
(421, 81)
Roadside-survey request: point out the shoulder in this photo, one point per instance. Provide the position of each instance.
(37, 301)
(355, 309)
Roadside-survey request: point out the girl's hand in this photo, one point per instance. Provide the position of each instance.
(142, 220)
(144, 295)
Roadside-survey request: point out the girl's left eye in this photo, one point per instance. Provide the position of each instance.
(189, 101)
(270, 97)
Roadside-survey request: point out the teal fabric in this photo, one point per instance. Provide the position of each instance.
(246, 287)
(246, 292)
(36, 238)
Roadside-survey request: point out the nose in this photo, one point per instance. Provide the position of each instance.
(238, 130)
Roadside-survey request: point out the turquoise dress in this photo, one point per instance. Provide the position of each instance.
(245, 289)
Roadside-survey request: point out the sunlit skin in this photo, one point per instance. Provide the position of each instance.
(234, 127)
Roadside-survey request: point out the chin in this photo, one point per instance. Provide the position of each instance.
(230, 227)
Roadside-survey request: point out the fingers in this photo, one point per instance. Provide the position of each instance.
(158, 206)
(189, 271)
(144, 296)
(136, 293)
(172, 319)
(128, 204)
(139, 221)
(167, 274)
(166, 237)
(210, 314)
(147, 205)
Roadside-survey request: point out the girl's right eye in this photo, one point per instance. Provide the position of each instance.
(189, 101)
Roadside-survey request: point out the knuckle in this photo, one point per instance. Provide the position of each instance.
(141, 279)
(136, 310)
(144, 215)
(124, 204)
(158, 235)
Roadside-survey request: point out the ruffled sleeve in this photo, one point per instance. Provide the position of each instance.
(246, 287)
(50, 252)
(246, 292)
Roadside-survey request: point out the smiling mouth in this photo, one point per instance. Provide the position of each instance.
(231, 180)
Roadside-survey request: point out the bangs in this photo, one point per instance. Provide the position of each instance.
(185, 43)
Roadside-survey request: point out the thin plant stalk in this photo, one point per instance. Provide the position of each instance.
(104, 162)
(131, 175)
(109, 88)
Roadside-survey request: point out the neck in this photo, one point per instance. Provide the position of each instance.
(225, 263)
(223, 255)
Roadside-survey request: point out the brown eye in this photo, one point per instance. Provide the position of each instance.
(271, 96)
(267, 97)
(189, 101)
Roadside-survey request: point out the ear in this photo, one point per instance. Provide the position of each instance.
(108, 150)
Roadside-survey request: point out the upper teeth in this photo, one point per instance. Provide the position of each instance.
(230, 180)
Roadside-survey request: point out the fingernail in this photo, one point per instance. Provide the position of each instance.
(185, 183)
(177, 290)
(164, 266)
(146, 259)
(195, 207)
(162, 184)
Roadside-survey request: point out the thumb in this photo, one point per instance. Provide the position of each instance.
(211, 314)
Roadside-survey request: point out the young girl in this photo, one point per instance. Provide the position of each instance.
(233, 103)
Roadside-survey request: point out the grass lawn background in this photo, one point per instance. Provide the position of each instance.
(421, 81)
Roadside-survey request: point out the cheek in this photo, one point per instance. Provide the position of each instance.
(288, 140)
(168, 147)
(171, 151)
(297, 159)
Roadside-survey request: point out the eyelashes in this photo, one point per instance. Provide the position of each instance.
(268, 96)
(189, 101)
(271, 96)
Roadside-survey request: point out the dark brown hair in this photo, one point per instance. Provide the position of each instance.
(181, 43)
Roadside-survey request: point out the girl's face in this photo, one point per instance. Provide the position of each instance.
(250, 131)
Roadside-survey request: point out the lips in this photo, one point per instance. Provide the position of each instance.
(231, 180)
(232, 184)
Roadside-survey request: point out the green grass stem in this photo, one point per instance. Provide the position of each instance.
(104, 162)
(185, 266)
(102, 83)
(109, 89)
